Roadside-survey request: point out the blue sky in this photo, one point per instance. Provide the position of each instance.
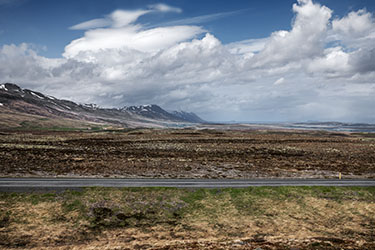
(45, 23)
(254, 60)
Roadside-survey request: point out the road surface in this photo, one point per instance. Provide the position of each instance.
(59, 184)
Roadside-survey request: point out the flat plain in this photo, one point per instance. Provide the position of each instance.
(187, 153)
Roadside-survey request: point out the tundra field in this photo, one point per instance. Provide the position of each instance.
(168, 218)
(187, 153)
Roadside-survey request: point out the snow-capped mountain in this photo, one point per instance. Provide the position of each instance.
(154, 112)
(15, 101)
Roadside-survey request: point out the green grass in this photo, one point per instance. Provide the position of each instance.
(192, 196)
(365, 134)
(229, 212)
(139, 207)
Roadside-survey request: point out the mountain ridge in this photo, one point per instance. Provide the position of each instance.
(24, 102)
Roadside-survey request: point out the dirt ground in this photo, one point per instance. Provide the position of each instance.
(187, 153)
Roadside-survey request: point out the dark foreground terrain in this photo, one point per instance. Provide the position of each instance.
(187, 153)
(167, 218)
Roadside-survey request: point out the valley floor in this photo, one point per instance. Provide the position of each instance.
(187, 153)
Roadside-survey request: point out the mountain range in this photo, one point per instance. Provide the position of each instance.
(24, 108)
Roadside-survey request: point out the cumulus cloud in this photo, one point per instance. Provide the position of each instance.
(248, 47)
(305, 39)
(354, 35)
(329, 64)
(356, 23)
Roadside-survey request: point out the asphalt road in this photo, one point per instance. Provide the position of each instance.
(59, 184)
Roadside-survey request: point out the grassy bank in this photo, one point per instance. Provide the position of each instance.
(167, 218)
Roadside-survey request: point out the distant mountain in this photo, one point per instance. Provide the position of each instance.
(154, 112)
(22, 106)
(188, 116)
(330, 126)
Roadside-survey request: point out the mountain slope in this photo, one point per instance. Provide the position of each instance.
(154, 112)
(18, 104)
(188, 116)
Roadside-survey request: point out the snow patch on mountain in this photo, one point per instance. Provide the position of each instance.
(50, 97)
(2, 86)
(37, 95)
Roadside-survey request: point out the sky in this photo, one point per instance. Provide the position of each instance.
(270, 61)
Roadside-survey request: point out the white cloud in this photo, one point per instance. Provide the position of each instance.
(124, 34)
(200, 19)
(123, 18)
(117, 19)
(127, 38)
(329, 66)
(247, 47)
(305, 39)
(355, 35)
(334, 63)
(92, 24)
(279, 81)
(354, 31)
(165, 8)
(355, 23)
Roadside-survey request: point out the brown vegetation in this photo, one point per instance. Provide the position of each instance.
(268, 218)
(187, 153)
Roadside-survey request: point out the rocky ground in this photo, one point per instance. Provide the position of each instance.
(187, 153)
